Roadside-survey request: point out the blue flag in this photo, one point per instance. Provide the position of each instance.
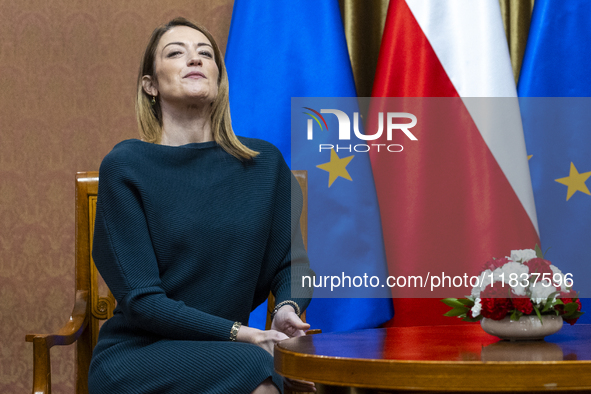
(280, 50)
(554, 86)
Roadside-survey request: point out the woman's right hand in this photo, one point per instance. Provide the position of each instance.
(263, 338)
(267, 340)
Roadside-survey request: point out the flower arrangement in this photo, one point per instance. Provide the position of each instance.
(521, 284)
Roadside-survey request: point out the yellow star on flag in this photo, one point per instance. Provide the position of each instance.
(336, 167)
(575, 182)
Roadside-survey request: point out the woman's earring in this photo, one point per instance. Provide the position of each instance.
(153, 100)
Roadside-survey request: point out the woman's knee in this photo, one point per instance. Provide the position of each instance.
(267, 387)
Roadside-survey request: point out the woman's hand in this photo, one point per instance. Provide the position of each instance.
(265, 339)
(287, 322)
(299, 385)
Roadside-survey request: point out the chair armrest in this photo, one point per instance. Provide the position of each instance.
(71, 331)
(67, 335)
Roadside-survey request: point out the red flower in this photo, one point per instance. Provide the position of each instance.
(495, 301)
(567, 294)
(573, 321)
(523, 304)
(495, 263)
(567, 298)
(540, 266)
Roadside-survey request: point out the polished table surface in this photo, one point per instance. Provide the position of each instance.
(440, 358)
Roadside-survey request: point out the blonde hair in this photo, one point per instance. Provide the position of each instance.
(149, 117)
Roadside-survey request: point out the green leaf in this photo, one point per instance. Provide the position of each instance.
(516, 315)
(539, 252)
(452, 302)
(570, 307)
(466, 302)
(550, 302)
(576, 315)
(547, 250)
(472, 319)
(550, 306)
(538, 313)
(456, 312)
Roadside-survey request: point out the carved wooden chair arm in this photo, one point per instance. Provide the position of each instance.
(67, 335)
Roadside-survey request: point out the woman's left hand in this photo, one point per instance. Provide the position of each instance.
(287, 322)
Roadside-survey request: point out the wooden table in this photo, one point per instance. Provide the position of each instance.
(440, 359)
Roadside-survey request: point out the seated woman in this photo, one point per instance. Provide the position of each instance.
(194, 226)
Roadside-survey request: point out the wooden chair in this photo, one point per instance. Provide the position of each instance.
(90, 305)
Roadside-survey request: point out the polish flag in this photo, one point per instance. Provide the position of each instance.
(461, 194)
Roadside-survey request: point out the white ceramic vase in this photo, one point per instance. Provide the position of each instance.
(527, 328)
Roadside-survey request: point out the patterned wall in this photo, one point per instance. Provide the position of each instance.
(67, 85)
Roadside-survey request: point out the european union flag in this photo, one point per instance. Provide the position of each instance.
(553, 86)
(280, 50)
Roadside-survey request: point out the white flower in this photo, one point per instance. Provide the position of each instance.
(520, 275)
(539, 292)
(484, 279)
(558, 277)
(476, 308)
(523, 255)
(520, 289)
(555, 269)
(516, 267)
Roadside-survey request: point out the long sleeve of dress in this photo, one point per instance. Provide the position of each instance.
(287, 283)
(124, 255)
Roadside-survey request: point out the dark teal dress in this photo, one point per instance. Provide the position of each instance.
(189, 240)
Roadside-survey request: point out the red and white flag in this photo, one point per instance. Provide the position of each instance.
(461, 193)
